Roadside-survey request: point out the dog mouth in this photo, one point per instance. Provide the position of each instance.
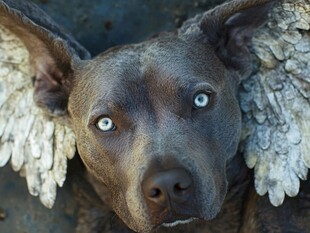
(178, 222)
(172, 219)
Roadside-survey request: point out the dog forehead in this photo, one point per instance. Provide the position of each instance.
(179, 54)
(160, 67)
(168, 56)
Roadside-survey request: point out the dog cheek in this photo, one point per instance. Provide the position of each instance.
(212, 187)
(228, 125)
(94, 159)
(126, 200)
(207, 167)
(221, 191)
(130, 205)
(232, 148)
(140, 221)
(136, 203)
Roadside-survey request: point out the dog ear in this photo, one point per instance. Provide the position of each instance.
(36, 145)
(54, 53)
(230, 28)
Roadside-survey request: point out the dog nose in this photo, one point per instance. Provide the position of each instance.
(174, 186)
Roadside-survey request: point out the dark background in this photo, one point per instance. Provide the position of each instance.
(101, 24)
(98, 25)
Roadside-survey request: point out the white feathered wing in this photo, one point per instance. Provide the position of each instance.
(276, 103)
(37, 146)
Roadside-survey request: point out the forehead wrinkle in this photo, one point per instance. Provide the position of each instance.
(185, 58)
(163, 96)
(106, 104)
(128, 95)
(116, 71)
(166, 86)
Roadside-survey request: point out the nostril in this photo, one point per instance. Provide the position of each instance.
(155, 193)
(182, 186)
(174, 185)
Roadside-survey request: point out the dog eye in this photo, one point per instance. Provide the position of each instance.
(105, 124)
(201, 100)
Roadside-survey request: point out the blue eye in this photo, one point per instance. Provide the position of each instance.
(105, 124)
(201, 100)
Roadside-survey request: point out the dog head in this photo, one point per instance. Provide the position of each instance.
(155, 122)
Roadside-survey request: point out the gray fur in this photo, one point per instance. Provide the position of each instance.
(148, 90)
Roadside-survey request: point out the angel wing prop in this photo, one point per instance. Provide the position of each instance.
(275, 103)
(37, 144)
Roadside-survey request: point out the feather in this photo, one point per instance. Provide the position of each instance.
(59, 162)
(38, 147)
(5, 153)
(276, 104)
(48, 189)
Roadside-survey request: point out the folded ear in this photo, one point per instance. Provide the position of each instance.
(54, 53)
(230, 28)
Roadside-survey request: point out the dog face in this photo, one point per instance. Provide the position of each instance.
(155, 122)
(166, 107)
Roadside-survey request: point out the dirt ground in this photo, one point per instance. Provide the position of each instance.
(98, 25)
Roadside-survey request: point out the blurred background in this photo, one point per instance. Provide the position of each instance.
(101, 24)
(97, 25)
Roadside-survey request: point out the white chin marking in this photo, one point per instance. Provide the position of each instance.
(178, 222)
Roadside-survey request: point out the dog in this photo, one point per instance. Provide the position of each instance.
(158, 123)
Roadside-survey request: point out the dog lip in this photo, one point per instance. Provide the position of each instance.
(172, 218)
(177, 222)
